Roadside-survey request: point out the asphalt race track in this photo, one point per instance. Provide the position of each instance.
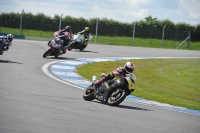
(32, 102)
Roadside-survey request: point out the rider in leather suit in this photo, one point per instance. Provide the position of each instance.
(6, 41)
(122, 71)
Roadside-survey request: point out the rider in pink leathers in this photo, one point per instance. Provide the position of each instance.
(66, 41)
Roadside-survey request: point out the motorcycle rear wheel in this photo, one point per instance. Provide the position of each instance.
(116, 97)
(88, 94)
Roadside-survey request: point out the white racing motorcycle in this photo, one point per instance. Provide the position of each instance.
(79, 42)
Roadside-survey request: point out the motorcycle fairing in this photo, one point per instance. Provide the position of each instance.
(109, 86)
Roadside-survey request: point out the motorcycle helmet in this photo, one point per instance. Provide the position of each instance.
(129, 67)
(9, 37)
(67, 28)
(87, 28)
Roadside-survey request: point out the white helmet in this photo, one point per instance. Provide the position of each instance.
(129, 67)
(9, 37)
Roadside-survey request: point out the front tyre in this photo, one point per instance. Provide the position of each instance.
(1, 49)
(116, 97)
(1, 52)
(88, 94)
(81, 49)
(47, 53)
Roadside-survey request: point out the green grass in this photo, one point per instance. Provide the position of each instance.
(114, 40)
(172, 81)
(146, 42)
(33, 33)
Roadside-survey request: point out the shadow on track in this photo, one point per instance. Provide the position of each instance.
(125, 106)
(85, 51)
(59, 58)
(134, 108)
(7, 61)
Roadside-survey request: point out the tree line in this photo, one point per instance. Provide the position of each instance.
(107, 26)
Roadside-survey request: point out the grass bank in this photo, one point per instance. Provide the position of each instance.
(172, 81)
(114, 40)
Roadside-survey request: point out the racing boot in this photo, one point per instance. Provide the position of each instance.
(64, 50)
(98, 83)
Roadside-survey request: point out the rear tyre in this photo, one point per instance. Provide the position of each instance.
(116, 97)
(88, 94)
(47, 53)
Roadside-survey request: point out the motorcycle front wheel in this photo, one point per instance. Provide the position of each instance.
(1, 49)
(81, 49)
(1, 52)
(88, 94)
(116, 97)
(47, 53)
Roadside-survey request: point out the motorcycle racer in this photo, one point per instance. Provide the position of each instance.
(6, 41)
(121, 71)
(86, 33)
(66, 41)
(63, 31)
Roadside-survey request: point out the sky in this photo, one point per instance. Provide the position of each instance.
(128, 11)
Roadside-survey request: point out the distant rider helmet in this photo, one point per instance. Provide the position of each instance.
(10, 37)
(67, 28)
(87, 28)
(129, 67)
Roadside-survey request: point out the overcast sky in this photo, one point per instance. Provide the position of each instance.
(128, 11)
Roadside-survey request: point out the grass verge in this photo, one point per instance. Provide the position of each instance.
(113, 40)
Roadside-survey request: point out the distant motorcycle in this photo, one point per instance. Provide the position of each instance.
(80, 42)
(55, 46)
(111, 92)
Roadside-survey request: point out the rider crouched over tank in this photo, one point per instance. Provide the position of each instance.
(5, 42)
(112, 88)
(121, 71)
(65, 35)
(87, 33)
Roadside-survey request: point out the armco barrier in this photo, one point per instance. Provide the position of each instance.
(15, 36)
